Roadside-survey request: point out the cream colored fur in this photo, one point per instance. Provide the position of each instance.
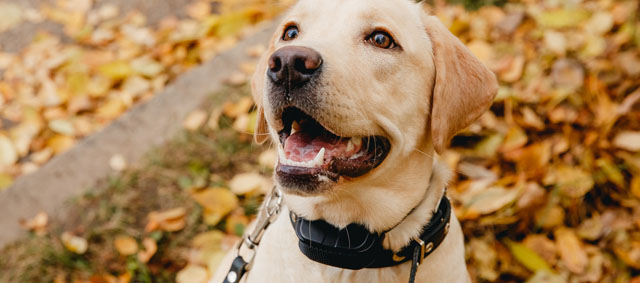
(418, 97)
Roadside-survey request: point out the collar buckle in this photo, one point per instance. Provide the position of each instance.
(424, 249)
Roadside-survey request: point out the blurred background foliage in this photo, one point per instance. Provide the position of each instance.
(547, 185)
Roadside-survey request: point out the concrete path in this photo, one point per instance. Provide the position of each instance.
(132, 135)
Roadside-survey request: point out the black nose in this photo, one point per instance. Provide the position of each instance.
(293, 66)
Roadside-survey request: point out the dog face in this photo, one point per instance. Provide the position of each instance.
(358, 93)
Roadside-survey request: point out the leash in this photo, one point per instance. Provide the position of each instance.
(267, 215)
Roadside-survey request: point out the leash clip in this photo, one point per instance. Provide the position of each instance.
(266, 216)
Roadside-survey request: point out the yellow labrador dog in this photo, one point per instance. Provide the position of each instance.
(358, 96)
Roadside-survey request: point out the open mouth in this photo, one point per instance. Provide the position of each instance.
(309, 154)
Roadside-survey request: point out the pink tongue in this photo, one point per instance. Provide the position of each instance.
(303, 147)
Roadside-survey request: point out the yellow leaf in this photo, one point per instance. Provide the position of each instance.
(571, 250)
(5, 181)
(233, 110)
(562, 18)
(527, 257)
(612, 171)
(491, 200)
(74, 243)
(8, 153)
(62, 126)
(217, 202)
(572, 181)
(628, 140)
(192, 274)
(246, 183)
(195, 120)
(111, 110)
(116, 70)
(60, 143)
(126, 245)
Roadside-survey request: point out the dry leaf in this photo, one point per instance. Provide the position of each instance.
(117, 162)
(37, 224)
(8, 153)
(150, 249)
(170, 220)
(527, 257)
(74, 243)
(491, 200)
(628, 140)
(126, 245)
(217, 202)
(192, 274)
(247, 183)
(195, 120)
(571, 250)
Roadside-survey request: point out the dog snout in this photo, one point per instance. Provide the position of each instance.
(293, 66)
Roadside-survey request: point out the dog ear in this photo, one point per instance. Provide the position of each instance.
(463, 89)
(261, 133)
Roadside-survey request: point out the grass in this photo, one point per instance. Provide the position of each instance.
(120, 205)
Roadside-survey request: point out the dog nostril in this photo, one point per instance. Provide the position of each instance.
(313, 64)
(306, 65)
(275, 64)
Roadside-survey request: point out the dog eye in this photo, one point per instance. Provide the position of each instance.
(381, 39)
(290, 33)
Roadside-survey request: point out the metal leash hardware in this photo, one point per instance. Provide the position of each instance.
(267, 215)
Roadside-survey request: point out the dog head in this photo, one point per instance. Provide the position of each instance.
(357, 95)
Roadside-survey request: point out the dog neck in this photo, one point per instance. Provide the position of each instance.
(410, 215)
(411, 226)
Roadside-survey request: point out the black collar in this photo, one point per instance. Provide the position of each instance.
(354, 247)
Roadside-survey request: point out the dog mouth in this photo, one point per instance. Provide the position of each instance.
(310, 154)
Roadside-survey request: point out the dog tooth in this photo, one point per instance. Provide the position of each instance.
(319, 159)
(294, 127)
(350, 146)
(357, 141)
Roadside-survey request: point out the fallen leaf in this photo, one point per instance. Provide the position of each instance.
(233, 110)
(37, 224)
(170, 220)
(527, 257)
(60, 143)
(218, 202)
(572, 182)
(246, 183)
(195, 120)
(117, 162)
(8, 153)
(126, 245)
(192, 274)
(628, 140)
(5, 181)
(73, 243)
(571, 250)
(491, 200)
(150, 249)
(567, 73)
(562, 18)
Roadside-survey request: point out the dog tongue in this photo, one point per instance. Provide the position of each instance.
(302, 146)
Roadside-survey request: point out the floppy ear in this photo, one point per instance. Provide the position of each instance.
(261, 133)
(464, 88)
